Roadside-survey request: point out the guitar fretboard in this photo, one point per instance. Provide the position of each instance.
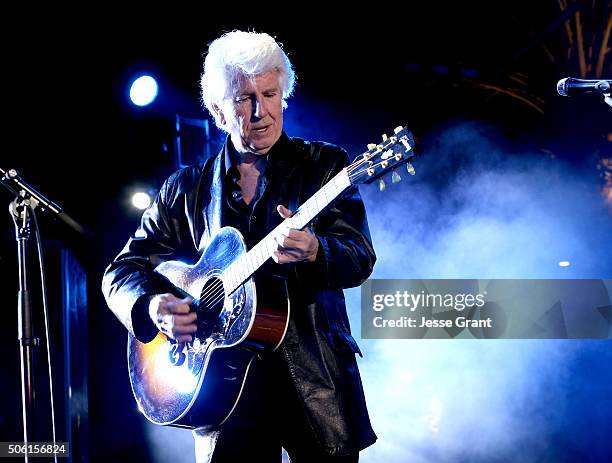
(244, 267)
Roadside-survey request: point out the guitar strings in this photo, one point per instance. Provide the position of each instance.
(214, 286)
(212, 291)
(366, 169)
(215, 292)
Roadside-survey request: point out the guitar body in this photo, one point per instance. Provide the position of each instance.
(199, 383)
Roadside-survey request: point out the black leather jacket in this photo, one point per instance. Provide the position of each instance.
(318, 346)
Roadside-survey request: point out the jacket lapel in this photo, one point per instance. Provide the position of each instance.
(211, 207)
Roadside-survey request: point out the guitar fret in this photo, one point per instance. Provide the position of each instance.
(258, 250)
(270, 246)
(250, 264)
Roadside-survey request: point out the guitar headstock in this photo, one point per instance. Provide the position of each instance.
(380, 159)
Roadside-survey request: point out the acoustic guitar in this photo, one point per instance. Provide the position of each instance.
(199, 383)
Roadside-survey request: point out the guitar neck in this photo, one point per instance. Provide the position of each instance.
(244, 267)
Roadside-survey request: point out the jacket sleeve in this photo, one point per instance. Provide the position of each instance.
(129, 280)
(345, 258)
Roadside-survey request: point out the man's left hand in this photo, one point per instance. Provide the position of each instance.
(294, 245)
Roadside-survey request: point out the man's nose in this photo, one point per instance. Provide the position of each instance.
(260, 109)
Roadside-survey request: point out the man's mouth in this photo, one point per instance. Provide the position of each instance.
(261, 129)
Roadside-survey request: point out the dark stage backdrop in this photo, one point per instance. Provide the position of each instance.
(511, 180)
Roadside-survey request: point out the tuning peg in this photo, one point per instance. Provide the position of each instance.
(395, 177)
(410, 168)
(371, 146)
(381, 185)
(398, 129)
(384, 137)
(406, 144)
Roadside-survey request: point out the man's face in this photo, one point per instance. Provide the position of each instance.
(254, 117)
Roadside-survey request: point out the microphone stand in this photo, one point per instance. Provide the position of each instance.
(29, 345)
(27, 199)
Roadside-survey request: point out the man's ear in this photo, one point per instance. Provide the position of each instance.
(219, 113)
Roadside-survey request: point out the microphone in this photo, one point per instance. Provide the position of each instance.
(570, 86)
(15, 184)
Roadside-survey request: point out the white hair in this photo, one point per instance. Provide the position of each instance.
(239, 54)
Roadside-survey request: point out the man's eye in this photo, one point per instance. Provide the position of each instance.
(270, 95)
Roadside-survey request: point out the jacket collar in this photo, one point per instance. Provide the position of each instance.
(282, 157)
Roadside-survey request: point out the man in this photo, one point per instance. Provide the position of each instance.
(307, 395)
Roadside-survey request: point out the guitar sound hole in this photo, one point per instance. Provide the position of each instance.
(211, 304)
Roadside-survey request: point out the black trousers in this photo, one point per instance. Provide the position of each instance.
(269, 417)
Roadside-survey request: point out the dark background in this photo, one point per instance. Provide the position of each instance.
(70, 130)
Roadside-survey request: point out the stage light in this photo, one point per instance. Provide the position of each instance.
(564, 263)
(143, 91)
(141, 200)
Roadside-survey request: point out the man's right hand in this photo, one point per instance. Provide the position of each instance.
(172, 317)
